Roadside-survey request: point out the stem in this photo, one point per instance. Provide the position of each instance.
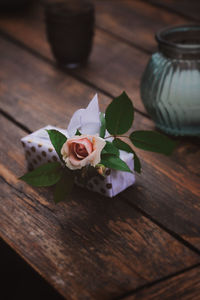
(116, 136)
(125, 136)
(109, 137)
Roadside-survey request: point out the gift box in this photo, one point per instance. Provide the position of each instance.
(39, 150)
(96, 151)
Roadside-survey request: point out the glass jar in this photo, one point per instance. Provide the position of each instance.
(170, 86)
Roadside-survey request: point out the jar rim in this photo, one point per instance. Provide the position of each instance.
(173, 37)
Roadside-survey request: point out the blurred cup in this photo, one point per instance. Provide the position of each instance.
(70, 29)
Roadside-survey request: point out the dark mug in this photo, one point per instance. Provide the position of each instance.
(70, 29)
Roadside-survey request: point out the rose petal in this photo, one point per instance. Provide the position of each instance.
(87, 143)
(83, 150)
(98, 145)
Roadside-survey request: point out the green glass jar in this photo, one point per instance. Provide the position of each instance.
(170, 86)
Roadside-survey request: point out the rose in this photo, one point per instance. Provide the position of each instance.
(83, 150)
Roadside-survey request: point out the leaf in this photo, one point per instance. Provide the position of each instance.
(137, 163)
(103, 125)
(63, 187)
(45, 175)
(124, 146)
(110, 149)
(119, 115)
(78, 132)
(114, 162)
(85, 174)
(152, 141)
(57, 140)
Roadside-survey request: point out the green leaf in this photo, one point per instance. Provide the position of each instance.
(85, 174)
(124, 146)
(110, 149)
(78, 132)
(137, 163)
(63, 187)
(114, 162)
(45, 175)
(103, 125)
(152, 141)
(119, 115)
(57, 140)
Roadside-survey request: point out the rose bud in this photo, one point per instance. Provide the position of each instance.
(101, 169)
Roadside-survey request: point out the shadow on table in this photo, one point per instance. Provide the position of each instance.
(88, 218)
(19, 280)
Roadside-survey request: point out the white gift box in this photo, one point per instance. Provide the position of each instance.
(39, 150)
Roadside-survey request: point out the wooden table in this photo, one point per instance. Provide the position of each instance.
(144, 243)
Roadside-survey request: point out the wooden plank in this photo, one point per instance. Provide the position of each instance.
(35, 83)
(113, 65)
(39, 94)
(188, 9)
(185, 286)
(134, 21)
(90, 247)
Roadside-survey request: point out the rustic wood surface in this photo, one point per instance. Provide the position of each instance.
(91, 246)
(135, 22)
(189, 9)
(141, 244)
(185, 286)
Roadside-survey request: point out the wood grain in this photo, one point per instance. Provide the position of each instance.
(113, 65)
(168, 189)
(90, 247)
(135, 21)
(35, 84)
(188, 9)
(185, 286)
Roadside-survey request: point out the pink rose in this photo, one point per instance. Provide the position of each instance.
(83, 150)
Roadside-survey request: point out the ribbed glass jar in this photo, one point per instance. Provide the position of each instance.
(170, 86)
